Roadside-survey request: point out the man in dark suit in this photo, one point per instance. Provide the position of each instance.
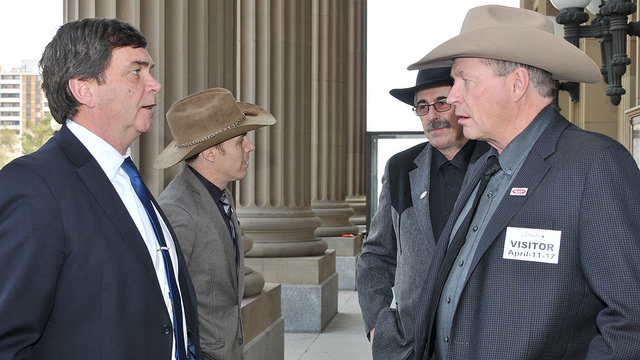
(210, 134)
(549, 266)
(419, 187)
(84, 274)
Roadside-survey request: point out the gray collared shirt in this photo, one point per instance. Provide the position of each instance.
(511, 160)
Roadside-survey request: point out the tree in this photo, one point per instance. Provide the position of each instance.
(8, 141)
(37, 135)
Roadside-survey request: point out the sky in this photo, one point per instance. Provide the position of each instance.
(400, 32)
(26, 27)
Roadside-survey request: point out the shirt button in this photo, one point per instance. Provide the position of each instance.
(490, 194)
(448, 299)
(166, 329)
(475, 228)
(446, 339)
(461, 263)
(447, 212)
(450, 185)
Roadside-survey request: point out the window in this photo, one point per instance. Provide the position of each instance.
(379, 147)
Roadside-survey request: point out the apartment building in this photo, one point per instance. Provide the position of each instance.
(22, 101)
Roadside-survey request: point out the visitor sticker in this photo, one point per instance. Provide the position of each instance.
(539, 245)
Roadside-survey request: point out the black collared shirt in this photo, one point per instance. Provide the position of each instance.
(215, 193)
(446, 181)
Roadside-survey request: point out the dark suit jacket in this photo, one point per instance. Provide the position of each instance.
(210, 256)
(77, 281)
(396, 254)
(587, 186)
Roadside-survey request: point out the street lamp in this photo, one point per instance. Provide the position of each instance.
(610, 26)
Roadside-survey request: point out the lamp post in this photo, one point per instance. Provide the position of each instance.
(610, 26)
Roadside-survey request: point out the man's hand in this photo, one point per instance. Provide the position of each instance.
(371, 336)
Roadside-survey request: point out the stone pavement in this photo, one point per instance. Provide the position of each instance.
(343, 337)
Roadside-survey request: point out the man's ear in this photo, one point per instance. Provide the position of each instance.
(208, 155)
(520, 83)
(82, 91)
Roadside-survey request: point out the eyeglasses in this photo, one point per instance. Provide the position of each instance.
(439, 106)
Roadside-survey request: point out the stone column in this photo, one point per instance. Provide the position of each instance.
(273, 201)
(329, 118)
(356, 111)
(330, 133)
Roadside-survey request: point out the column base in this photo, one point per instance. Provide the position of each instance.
(309, 288)
(268, 345)
(295, 270)
(347, 250)
(263, 324)
(310, 308)
(346, 269)
(253, 282)
(346, 245)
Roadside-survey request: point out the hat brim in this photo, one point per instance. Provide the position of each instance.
(255, 117)
(432, 75)
(524, 45)
(407, 95)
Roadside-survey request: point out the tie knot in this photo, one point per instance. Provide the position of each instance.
(130, 168)
(224, 200)
(493, 165)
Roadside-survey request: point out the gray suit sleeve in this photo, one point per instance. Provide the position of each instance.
(610, 252)
(377, 261)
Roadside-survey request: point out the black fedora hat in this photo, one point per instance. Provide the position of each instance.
(426, 78)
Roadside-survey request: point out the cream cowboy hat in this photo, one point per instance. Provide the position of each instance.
(519, 35)
(205, 119)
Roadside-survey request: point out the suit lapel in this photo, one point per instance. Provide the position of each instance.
(533, 170)
(106, 196)
(210, 209)
(419, 185)
(399, 167)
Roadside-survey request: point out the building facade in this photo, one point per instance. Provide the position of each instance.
(22, 101)
(594, 110)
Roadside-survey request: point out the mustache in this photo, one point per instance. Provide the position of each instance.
(438, 124)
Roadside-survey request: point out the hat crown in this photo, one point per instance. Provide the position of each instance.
(518, 35)
(434, 76)
(488, 16)
(202, 115)
(207, 118)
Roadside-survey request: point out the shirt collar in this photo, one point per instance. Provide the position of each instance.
(516, 151)
(106, 155)
(460, 160)
(215, 192)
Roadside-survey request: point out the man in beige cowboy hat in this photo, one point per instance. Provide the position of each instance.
(210, 131)
(546, 263)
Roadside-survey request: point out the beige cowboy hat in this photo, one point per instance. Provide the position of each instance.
(207, 118)
(519, 35)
